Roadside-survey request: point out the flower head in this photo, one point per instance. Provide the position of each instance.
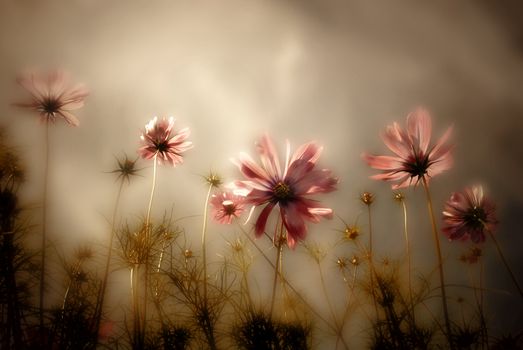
(126, 168)
(469, 214)
(159, 140)
(226, 206)
(289, 187)
(53, 96)
(367, 198)
(415, 159)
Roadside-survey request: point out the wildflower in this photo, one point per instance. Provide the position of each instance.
(414, 158)
(287, 187)
(126, 169)
(367, 198)
(159, 140)
(53, 96)
(468, 214)
(226, 206)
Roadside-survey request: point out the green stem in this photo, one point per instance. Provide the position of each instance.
(440, 263)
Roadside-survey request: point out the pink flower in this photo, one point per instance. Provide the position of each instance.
(468, 214)
(227, 206)
(414, 157)
(288, 187)
(159, 140)
(52, 96)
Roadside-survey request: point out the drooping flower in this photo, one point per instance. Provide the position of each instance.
(52, 96)
(469, 214)
(288, 187)
(226, 206)
(415, 159)
(159, 140)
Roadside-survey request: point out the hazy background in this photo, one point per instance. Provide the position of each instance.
(334, 71)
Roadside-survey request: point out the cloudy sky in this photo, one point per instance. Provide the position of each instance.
(334, 71)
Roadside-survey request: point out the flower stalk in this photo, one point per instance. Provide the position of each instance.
(440, 263)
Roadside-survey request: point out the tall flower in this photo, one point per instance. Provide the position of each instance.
(226, 206)
(414, 158)
(288, 187)
(159, 140)
(468, 214)
(53, 96)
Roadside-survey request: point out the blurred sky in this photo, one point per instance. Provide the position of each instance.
(334, 71)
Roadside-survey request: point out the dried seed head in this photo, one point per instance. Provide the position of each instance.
(399, 197)
(83, 253)
(355, 260)
(188, 254)
(342, 263)
(351, 233)
(126, 168)
(367, 198)
(214, 180)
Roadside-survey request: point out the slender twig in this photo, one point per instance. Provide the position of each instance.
(440, 263)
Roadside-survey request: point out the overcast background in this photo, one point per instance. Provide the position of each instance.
(335, 72)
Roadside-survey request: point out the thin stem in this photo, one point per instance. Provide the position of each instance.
(371, 262)
(338, 326)
(148, 217)
(99, 306)
(204, 250)
(147, 241)
(482, 305)
(136, 310)
(407, 246)
(440, 263)
(302, 299)
(277, 269)
(505, 262)
(44, 226)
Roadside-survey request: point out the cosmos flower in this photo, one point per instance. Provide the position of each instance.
(288, 187)
(414, 158)
(469, 214)
(53, 96)
(226, 206)
(159, 140)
